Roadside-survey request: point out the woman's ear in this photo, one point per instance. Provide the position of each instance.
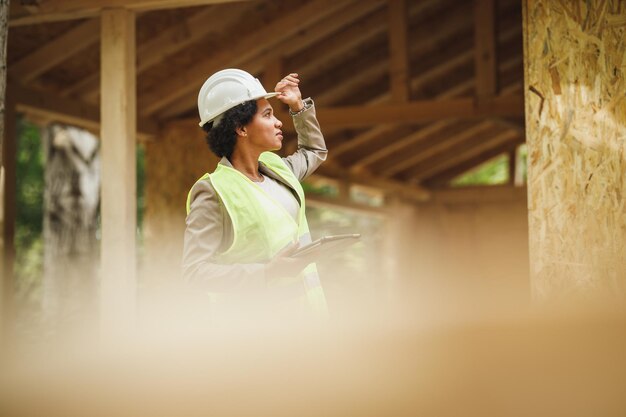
(241, 131)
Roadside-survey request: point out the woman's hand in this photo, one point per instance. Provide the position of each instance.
(290, 92)
(283, 265)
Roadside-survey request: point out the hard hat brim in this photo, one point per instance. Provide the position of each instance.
(268, 95)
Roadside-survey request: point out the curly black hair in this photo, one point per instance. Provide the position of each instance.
(223, 137)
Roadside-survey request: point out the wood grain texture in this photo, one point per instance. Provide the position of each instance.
(575, 61)
(118, 207)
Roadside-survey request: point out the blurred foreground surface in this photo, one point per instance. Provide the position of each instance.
(520, 364)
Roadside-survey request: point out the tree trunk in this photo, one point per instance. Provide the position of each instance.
(71, 203)
(5, 252)
(4, 33)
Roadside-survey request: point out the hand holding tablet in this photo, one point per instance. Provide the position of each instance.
(326, 246)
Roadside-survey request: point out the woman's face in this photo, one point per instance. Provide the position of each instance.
(263, 132)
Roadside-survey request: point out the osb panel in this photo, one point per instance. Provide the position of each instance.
(174, 161)
(576, 131)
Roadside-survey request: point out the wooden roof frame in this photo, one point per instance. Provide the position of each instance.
(490, 99)
(381, 117)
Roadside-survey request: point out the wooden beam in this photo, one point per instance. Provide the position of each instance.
(301, 40)
(512, 166)
(73, 112)
(340, 44)
(435, 148)
(396, 145)
(56, 51)
(166, 43)
(458, 55)
(57, 10)
(421, 111)
(473, 194)
(378, 132)
(431, 34)
(442, 178)
(343, 42)
(457, 60)
(240, 50)
(118, 206)
(401, 144)
(316, 200)
(408, 191)
(458, 154)
(485, 48)
(389, 130)
(353, 36)
(398, 50)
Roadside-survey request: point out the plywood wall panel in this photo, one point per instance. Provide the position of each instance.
(575, 60)
(174, 161)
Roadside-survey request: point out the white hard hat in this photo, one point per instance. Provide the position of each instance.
(226, 89)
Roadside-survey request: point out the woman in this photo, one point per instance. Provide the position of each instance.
(247, 217)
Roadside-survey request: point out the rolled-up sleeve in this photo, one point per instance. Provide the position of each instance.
(311, 145)
(204, 237)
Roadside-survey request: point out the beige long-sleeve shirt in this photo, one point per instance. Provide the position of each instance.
(209, 228)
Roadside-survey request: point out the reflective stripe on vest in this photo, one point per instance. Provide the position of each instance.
(261, 225)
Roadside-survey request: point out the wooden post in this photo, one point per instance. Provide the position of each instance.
(118, 206)
(398, 50)
(512, 166)
(576, 124)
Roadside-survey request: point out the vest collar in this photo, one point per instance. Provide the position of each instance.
(267, 172)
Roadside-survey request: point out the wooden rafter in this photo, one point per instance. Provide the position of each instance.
(464, 87)
(410, 191)
(485, 48)
(56, 10)
(421, 111)
(56, 51)
(453, 60)
(52, 107)
(302, 39)
(327, 46)
(361, 32)
(342, 203)
(378, 132)
(239, 51)
(396, 145)
(160, 47)
(443, 177)
(432, 149)
(398, 50)
(343, 42)
(460, 153)
(431, 34)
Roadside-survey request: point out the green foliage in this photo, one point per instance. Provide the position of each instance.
(492, 172)
(29, 202)
(30, 183)
(324, 189)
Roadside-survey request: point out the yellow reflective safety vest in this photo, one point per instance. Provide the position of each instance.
(262, 226)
